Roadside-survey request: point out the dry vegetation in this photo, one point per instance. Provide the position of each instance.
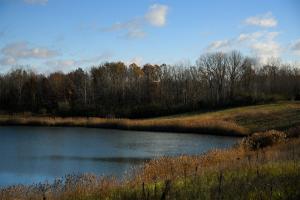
(236, 121)
(271, 171)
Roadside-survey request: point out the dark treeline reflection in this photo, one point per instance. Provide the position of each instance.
(116, 90)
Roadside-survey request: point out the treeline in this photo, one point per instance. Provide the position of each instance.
(116, 90)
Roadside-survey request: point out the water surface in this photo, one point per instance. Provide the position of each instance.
(36, 154)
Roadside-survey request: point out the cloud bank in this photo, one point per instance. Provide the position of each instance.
(262, 43)
(13, 52)
(67, 64)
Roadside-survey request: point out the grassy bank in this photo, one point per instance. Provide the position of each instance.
(272, 172)
(236, 121)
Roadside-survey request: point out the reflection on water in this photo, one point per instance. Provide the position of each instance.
(34, 154)
(101, 159)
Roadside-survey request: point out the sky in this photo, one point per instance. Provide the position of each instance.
(62, 35)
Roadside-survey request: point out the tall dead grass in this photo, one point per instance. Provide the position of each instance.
(235, 122)
(215, 127)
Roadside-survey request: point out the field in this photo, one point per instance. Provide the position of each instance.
(239, 121)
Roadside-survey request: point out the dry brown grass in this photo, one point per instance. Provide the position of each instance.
(235, 122)
(216, 127)
(263, 139)
(175, 167)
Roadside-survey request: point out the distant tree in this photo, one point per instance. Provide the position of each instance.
(234, 70)
(115, 89)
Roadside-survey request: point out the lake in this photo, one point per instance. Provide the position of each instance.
(36, 154)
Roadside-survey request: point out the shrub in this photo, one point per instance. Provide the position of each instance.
(63, 107)
(297, 97)
(263, 139)
(293, 132)
(42, 111)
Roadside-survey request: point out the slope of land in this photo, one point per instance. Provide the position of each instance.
(239, 121)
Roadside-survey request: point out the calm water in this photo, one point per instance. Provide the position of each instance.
(35, 154)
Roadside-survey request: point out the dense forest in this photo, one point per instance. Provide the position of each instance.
(116, 90)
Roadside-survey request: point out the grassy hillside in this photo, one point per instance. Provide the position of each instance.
(281, 115)
(272, 172)
(236, 121)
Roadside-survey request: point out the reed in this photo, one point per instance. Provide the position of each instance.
(235, 122)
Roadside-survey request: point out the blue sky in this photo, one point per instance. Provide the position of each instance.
(50, 35)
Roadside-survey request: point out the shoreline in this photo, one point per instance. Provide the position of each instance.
(219, 128)
(238, 122)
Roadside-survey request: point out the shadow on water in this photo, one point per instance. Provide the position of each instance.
(134, 160)
(36, 154)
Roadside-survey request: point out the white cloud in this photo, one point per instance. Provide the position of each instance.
(265, 50)
(134, 28)
(95, 59)
(58, 64)
(67, 64)
(244, 37)
(131, 24)
(40, 2)
(157, 15)
(136, 60)
(13, 52)
(21, 50)
(295, 47)
(266, 20)
(255, 36)
(265, 46)
(262, 44)
(8, 61)
(135, 33)
(220, 45)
